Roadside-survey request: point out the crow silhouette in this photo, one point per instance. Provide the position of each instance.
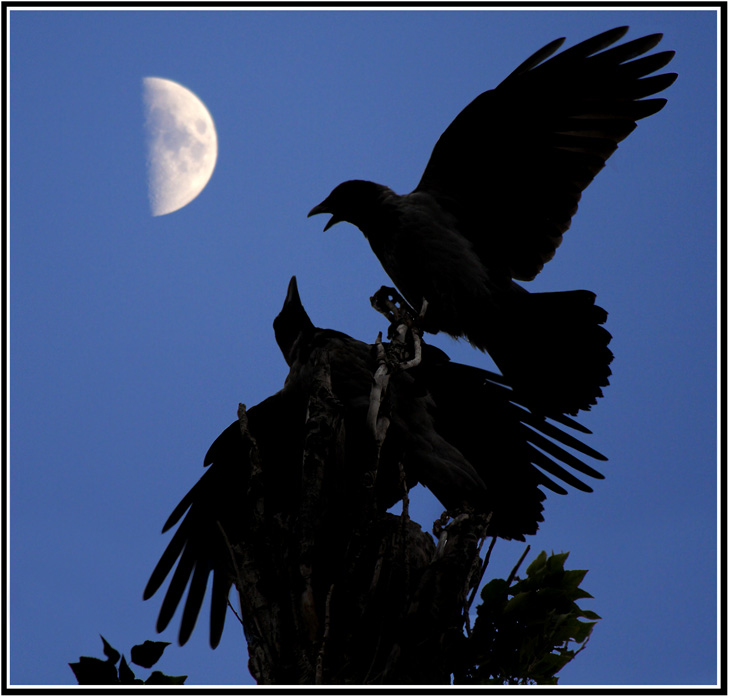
(454, 428)
(497, 194)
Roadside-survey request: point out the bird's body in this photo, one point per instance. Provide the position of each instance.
(419, 244)
(413, 441)
(499, 191)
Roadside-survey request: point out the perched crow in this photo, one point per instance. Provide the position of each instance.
(453, 428)
(499, 191)
(412, 438)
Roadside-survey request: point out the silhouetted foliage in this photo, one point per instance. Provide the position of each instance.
(525, 627)
(100, 672)
(522, 634)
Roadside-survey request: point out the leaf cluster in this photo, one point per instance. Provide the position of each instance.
(104, 672)
(525, 627)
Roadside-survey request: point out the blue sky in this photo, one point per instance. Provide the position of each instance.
(133, 338)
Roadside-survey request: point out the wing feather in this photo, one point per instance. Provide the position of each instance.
(513, 164)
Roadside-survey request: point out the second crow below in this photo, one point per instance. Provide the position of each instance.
(453, 428)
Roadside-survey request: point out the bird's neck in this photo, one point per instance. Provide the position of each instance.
(379, 218)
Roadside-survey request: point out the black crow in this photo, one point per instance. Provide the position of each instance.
(412, 438)
(499, 191)
(453, 428)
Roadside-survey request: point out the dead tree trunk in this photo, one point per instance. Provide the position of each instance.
(334, 591)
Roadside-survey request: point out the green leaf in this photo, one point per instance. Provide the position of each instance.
(583, 633)
(494, 593)
(574, 577)
(91, 670)
(525, 629)
(548, 666)
(157, 678)
(517, 602)
(537, 563)
(111, 654)
(549, 681)
(580, 594)
(148, 653)
(556, 562)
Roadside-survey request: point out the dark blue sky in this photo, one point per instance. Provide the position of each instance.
(133, 338)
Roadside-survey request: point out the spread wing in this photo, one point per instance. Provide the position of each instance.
(213, 513)
(513, 164)
(199, 547)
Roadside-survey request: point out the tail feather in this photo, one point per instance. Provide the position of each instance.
(554, 350)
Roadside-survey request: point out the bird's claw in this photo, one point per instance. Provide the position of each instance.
(387, 301)
(401, 316)
(403, 319)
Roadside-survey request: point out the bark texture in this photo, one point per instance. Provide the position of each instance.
(335, 591)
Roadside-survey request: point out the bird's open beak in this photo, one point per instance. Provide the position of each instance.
(322, 208)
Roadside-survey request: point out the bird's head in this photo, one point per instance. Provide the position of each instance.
(354, 201)
(292, 323)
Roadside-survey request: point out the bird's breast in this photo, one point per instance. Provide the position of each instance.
(425, 255)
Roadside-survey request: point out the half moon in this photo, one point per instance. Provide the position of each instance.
(182, 145)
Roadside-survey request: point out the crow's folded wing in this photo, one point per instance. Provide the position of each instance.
(512, 449)
(514, 162)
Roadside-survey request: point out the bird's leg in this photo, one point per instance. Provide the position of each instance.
(416, 332)
(403, 320)
(379, 425)
(416, 353)
(388, 302)
(396, 357)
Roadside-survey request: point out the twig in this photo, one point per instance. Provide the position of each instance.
(404, 519)
(475, 588)
(406, 502)
(477, 563)
(240, 586)
(230, 605)
(246, 434)
(513, 573)
(443, 533)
